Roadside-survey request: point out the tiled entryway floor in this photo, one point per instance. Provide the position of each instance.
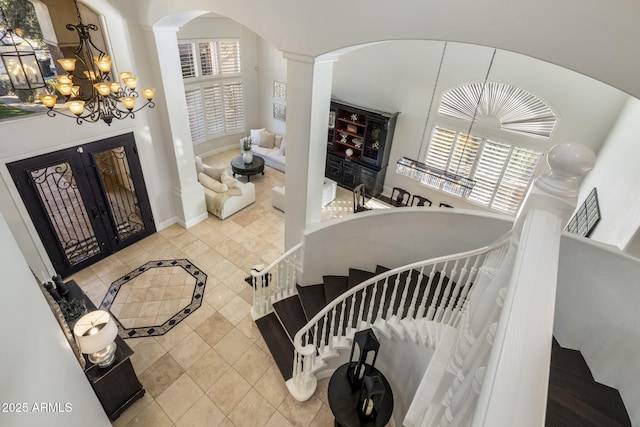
(213, 368)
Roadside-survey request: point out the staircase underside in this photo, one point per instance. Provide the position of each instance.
(575, 399)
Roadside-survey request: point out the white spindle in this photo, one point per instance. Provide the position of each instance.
(383, 298)
(446, 296)
(411, 312)
(372, 303)
(405, 291)
(361, 311)
(436, 295)
(393, 297)
(427, 291)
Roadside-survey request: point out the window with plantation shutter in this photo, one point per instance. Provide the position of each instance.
(213, 87)
(233, 106)
(195, 110)
(187, 60)
(502, 171)
(516, 179)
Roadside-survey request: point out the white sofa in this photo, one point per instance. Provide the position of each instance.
(224, 195)
(328, 194)
(269, 146)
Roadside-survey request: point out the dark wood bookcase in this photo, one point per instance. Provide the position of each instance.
(358, 145)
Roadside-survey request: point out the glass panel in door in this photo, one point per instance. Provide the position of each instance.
(58, 192)
(113, 169)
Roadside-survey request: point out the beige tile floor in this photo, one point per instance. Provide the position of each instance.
(213, 368)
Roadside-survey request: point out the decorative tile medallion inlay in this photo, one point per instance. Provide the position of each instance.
(155, 297)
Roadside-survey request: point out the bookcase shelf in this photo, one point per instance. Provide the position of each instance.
(368, 134)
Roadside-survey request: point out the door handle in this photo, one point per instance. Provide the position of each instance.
(94, 212)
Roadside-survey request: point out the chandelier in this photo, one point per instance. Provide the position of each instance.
(19, 58)
(91, 93)
(445, 180)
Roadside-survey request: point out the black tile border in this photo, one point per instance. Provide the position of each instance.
(156, 330)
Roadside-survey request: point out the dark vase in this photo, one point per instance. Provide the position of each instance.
(52, 290)
(60, 286)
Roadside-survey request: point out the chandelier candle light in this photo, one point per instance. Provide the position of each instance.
(92, 95)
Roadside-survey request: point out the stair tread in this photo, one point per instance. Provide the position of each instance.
(603, 398)
(291, 315)
(334, 286)
(278, 343)
(357, 276)
(312, 299)
(584, 410)
(570, 361)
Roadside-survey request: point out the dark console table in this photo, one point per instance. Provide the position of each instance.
(343, 401)
(117, 385)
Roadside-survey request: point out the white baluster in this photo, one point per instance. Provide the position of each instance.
(393, 298)
(432, 308)
(425, 296)
(361, 311)
(411, 312)
(383, 298)
(372, 303)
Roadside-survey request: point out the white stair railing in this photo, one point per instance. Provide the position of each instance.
(448, 283)
(275, 282)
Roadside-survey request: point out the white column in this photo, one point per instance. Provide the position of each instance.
(187, 194)
(308, 100)
(517, 376)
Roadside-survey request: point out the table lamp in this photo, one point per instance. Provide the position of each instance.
(95, 333)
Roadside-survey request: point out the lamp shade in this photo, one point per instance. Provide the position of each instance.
(94, 331)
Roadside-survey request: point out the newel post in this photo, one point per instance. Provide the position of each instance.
(517, 375)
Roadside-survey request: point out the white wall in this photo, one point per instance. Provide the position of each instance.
(402, 236)
(36, 362)
(615, 176)
(273, 67)
(596, 313)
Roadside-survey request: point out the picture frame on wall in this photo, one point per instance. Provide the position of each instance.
(279, 91)
(279, 111)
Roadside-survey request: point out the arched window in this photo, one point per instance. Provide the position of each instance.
(502, 164)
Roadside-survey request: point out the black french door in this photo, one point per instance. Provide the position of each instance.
(86, 202)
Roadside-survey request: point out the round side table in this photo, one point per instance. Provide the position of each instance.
(343, 401)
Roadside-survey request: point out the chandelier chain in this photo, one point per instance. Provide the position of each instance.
(433, 94)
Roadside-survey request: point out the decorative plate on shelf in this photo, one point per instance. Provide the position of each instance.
(348, 152)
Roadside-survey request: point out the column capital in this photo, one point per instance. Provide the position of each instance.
(292, 56)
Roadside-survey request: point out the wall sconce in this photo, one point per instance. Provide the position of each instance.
(95, 333)
(370, 398)
(367, 343)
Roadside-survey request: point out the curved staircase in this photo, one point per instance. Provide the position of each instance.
(575, 398)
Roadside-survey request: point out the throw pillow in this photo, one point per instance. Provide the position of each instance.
(277, 141)
(230, 181)
(213, 172)
(211, 183)
(255, 136)
(267, 139)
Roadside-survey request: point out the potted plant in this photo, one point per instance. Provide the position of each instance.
(245, 146)
(72, 310)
